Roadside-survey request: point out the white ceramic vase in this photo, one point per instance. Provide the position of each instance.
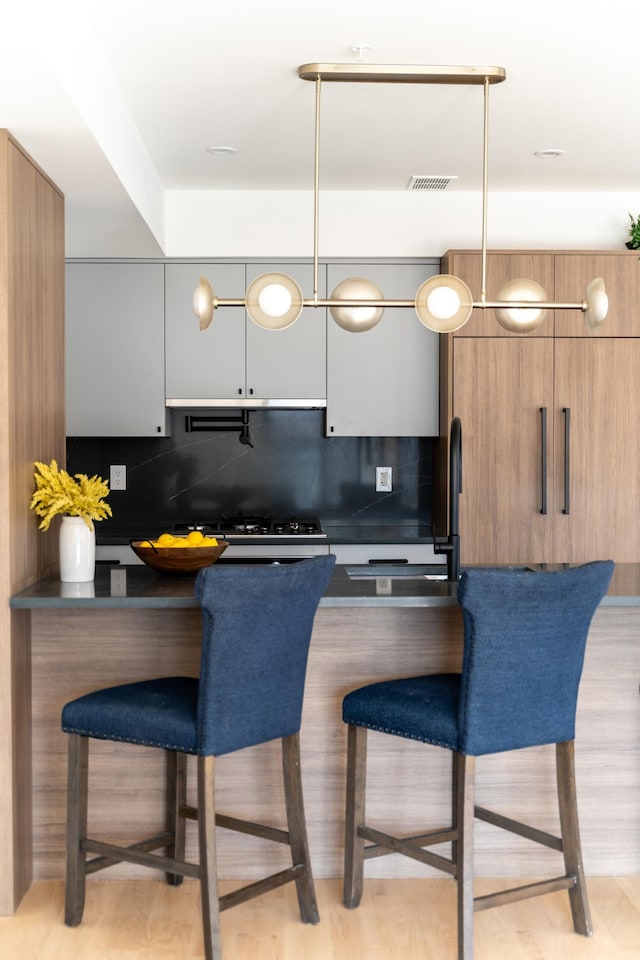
(77, 551)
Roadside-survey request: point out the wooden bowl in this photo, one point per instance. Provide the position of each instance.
(177, 560)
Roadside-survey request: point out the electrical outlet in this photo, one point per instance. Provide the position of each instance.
(117, 476)
(118, 583)
(384, 483)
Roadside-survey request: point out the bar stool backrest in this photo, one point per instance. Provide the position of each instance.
(257, 623)
(524, 643)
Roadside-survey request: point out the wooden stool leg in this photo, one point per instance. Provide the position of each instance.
(297, 827)
(567, 802)
(356, 787)
(208, 859)
(176, 774)
(77, 793)
(465, 789)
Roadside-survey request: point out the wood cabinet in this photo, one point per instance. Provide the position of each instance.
(551, 459)
(31, 428)
(234, 362)
(383, 382)
(115, 350)
(621, 274)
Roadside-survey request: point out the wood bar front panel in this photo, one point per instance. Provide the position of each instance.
(408, 782)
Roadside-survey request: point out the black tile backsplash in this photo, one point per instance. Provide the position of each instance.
(290, 468)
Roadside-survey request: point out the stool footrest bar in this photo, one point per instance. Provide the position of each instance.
(522, 829)
(523, 893)
(261, 886)
(137, 854)
(408, 848)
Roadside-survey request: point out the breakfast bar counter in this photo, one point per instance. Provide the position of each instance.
(131, 624)
(419, 585)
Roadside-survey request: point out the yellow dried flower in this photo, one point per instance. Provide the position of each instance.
(58, 492)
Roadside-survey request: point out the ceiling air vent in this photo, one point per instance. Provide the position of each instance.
(429, 182)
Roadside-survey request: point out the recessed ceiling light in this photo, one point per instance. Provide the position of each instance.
(549, 154)
(221, 151)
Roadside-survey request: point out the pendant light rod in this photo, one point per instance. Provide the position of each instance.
(485, 185)
(316, 189)
(370, 302)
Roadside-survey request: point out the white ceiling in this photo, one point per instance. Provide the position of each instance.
(117, 101)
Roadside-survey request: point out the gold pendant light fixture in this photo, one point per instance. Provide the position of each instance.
(443, 303)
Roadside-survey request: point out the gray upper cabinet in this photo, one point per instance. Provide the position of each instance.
(203, 364)
(290, 364)
(115, 350)
(383, 382)
(234, 362)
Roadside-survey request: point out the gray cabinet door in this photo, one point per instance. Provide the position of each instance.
(383, 382)
(204, 364)
(115, 350)
(289, 364)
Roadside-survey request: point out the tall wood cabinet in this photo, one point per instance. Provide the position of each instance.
(31, 428)
(550, 420)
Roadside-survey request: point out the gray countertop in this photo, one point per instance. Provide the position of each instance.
(350, 586)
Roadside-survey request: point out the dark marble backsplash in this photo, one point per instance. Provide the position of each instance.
(291, 468)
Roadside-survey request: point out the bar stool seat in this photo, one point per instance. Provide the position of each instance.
(257, 624)
(524, 641)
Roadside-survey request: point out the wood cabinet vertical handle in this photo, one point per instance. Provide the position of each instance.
(543, 459)
(567, 459)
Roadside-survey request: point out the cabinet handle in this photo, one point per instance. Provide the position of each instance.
(239, 391)
(567, 459)
(543, 458)
(250, 391)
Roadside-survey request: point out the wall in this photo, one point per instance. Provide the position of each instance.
(210, 223)
(291, 468)
(388, 223)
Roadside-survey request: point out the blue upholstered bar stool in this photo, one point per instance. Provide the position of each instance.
(524, 643)
(257, 623)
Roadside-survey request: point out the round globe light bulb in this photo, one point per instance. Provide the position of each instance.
(597, 304)
(275, 300)
(521, 319)
(357, 319)
(443, 302)
(204, 303)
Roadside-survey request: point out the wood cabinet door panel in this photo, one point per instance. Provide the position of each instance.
(597, 381)
(499, 388)
(501, 267)
(621, 275)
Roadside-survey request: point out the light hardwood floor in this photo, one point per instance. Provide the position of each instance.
(397, 920)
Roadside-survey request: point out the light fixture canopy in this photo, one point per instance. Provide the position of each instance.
(444, 303)
(357, 319)
(274, 301)
(521, 319)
